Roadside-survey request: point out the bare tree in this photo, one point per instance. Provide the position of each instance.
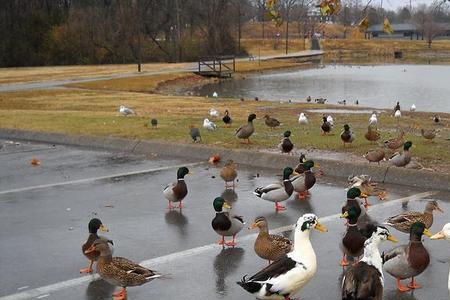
(288, 6)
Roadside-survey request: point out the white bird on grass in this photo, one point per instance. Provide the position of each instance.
(208, 125)
(213, 112)
(126, 111)
(330, 120)
(373, 121)
(215, 95)
(302, 119)
(413, 107)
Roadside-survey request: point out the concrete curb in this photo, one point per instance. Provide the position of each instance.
(393, 175)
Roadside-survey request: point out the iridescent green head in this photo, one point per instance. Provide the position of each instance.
(346, 127)
(309, 164)
(219, 203)
(287, 133)
(353, 193)
(407, 145)
(183, 171)
(287, 172)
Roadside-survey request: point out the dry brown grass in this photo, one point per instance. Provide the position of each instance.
(32, 74)
(95, 113)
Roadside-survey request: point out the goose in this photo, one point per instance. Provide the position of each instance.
(373, 121)
(209, 125)
(288, 275)
(408, 261)
(125, 111)
(213, 112)
(365, 279)
(120, 271)
(302, 119)
(444, 234)
(245, 131)
(176, 192)
(277, 192)
(225, 224)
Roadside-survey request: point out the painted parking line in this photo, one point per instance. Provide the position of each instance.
(87, 180)
(48, 289)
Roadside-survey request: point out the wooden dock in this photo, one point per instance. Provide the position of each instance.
(217, 66)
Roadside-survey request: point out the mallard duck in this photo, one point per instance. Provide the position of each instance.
(225, 224)
(366, 186)
(154, 123)
(194, 132)
(300, 168)
(408, 261)
(269, 246)
(228, 172)
(373, 121)
(93, 226)
(352, 194)
(347, 136)
(372, 134)
(209, 125)
(403, 158)
(245, 131)
(302, 119)
(304, 181)
(429, 135)
(443, 234)
(125, 111)
(402, 222)
(375, 155)
(175, 192)
(286, 276)
(271, 122)
(286, 144)
(326, 126)
(397, 142)
(227, 119)
(365, 279)
(277, 192)
(213, 113)
(120, 271)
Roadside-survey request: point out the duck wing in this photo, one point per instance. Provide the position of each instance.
(275, 269)
(268, 188)
(362, 281)
(393, 254)
(409, 217)
(281, 242)
(131, 267)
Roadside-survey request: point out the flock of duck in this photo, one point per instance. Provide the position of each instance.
(292, 264)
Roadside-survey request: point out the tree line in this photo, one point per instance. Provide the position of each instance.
(65, 32)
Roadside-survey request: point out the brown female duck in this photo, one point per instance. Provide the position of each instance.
(93, 226)
(375, 155)
(245, 131)
(120, 271)
(403, 221)
(397, 142)
(229, 173)
(271, 122)
(372, 134)
(269, 246)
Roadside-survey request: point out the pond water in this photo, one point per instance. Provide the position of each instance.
(379, 86)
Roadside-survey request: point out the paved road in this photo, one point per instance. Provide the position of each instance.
(44, 213)
(10, 87)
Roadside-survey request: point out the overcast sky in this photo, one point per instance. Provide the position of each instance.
(394, 4)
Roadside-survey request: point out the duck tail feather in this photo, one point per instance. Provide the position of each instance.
(249, 286)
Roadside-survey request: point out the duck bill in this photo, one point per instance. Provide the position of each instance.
(316, 165)
(438, 236)
(190, 173)
(90, 250)
(321, 227)
(392, 238)
(439, 209)
(344, 215)
(295, 173)
(253, 226)
(226, 205)
(104, 228)
(363, 195)
(427, 233)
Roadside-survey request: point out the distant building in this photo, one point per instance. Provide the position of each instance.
(404, 31)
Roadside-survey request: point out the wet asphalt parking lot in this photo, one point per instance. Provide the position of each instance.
(44, 211)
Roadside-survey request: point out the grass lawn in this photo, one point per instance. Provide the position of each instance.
(94, 112)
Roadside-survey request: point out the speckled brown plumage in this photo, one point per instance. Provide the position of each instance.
(228, 172)
(372, 134)
(269, 246)
(397, 142)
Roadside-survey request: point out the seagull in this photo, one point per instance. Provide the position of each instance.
(373, 121)
(126, 111)
(413, 107)
(398, 114)
(208, 125)
(215, 95)
(330, 120)
(302, 119)
(213, 112)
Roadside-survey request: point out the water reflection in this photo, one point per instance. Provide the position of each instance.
(225, 263)
(396, 295)
(99, 289)
(178, 220)
(229, 195)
